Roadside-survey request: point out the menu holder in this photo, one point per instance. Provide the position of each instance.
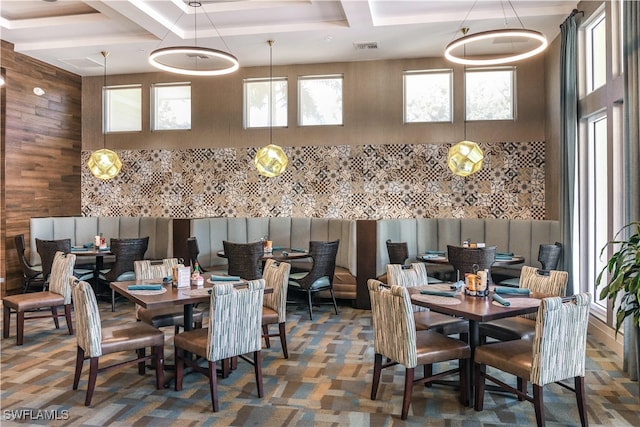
(184, 277)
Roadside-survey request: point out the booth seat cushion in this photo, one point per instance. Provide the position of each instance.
(522, 237)
(284, 232)
(82, 230)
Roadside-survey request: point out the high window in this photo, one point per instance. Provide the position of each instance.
(596, 53)
(122, 108)
(320, 100)
(171, 106)
(489, 94)
(257, 93)
(428, 96)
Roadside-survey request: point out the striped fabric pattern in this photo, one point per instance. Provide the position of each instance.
(148, 269)
(555, 284)
(394, 331)
(559, 346)
(235, 320)
(61, 274)
(89, 328)
(276, 276)
(416, 275)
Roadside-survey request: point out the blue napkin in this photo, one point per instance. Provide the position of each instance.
(298, 250)
(501, 300)
(216, 278)
(87, 245)
(144, 287)
(509, 254)
(434, 253)
(513, 291)
(277, 248)
(438, 293)
(504, 257)
(105, 249)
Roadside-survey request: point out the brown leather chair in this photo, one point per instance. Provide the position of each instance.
(396, 338)
(95, 341)
(274, 307)
(59, 294)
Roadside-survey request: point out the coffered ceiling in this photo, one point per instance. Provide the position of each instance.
(71, 34)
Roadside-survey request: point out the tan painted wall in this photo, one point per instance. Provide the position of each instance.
(372, 109)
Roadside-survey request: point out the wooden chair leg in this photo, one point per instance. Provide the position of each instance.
(93, 375)
(141, 364)
(427, 371)
(283, 339)
(257, 365)
(408, 388)
(580, 398)
(20, 328)
(178, 358)
(6, 312)
(54, 314)
(213, 386)
(78, 371)
(538, 404)
(158, 353)
(67, 316)
(522, 387)
(226, 367)
(463, 365)
(265, 334)
(377, 369)
(479, 373)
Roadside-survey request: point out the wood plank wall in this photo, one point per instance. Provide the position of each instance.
(41, 147)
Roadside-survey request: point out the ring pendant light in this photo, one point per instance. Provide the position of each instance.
(194, 60)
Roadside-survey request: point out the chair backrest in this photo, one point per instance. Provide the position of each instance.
(549, 255)
(551, 283)
(61, 275)
(323, 255)
(394, 330)
(47, 250)
(194, 250)
(126, 252)
(560, 343)
(276, 276)
(89, 328)
(235, 319)
(470, 260)
(408, 276)
(154, 269)
(27, 269)
(398, 252)
(244, 259)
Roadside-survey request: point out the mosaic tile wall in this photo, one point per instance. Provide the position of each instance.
(355, 182)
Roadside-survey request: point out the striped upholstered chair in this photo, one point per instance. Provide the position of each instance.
(235, 320)
(557, 352)
(395, 338)
(95, 341)
(274, 307)
(59, 294)
(167, 316)
(549, 283)
(413, 275)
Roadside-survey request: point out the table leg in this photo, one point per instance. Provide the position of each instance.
(474, 341)
(188, 325)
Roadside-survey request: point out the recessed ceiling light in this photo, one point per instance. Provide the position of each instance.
(38, 90)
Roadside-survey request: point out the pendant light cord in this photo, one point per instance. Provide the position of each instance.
(104, 100)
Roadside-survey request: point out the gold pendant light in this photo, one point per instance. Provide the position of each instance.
(271, 160)
(104, 164)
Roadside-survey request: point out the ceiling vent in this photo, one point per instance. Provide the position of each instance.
(365, 45)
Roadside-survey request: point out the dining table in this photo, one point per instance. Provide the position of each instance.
(169, 295)
(279, 254)
(99, 255)
(441, 258)
(474, 309)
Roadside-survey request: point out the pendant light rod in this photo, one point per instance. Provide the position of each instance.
(270, 90)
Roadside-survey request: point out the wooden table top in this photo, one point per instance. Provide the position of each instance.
(282, 254)
(479, 309)
(171, 297)
(442, 259)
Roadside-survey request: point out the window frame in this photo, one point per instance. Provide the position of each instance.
(154, 105)
(107, 101)
(513, 82)
(273, 120)
(305, 78)
(441, 71)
